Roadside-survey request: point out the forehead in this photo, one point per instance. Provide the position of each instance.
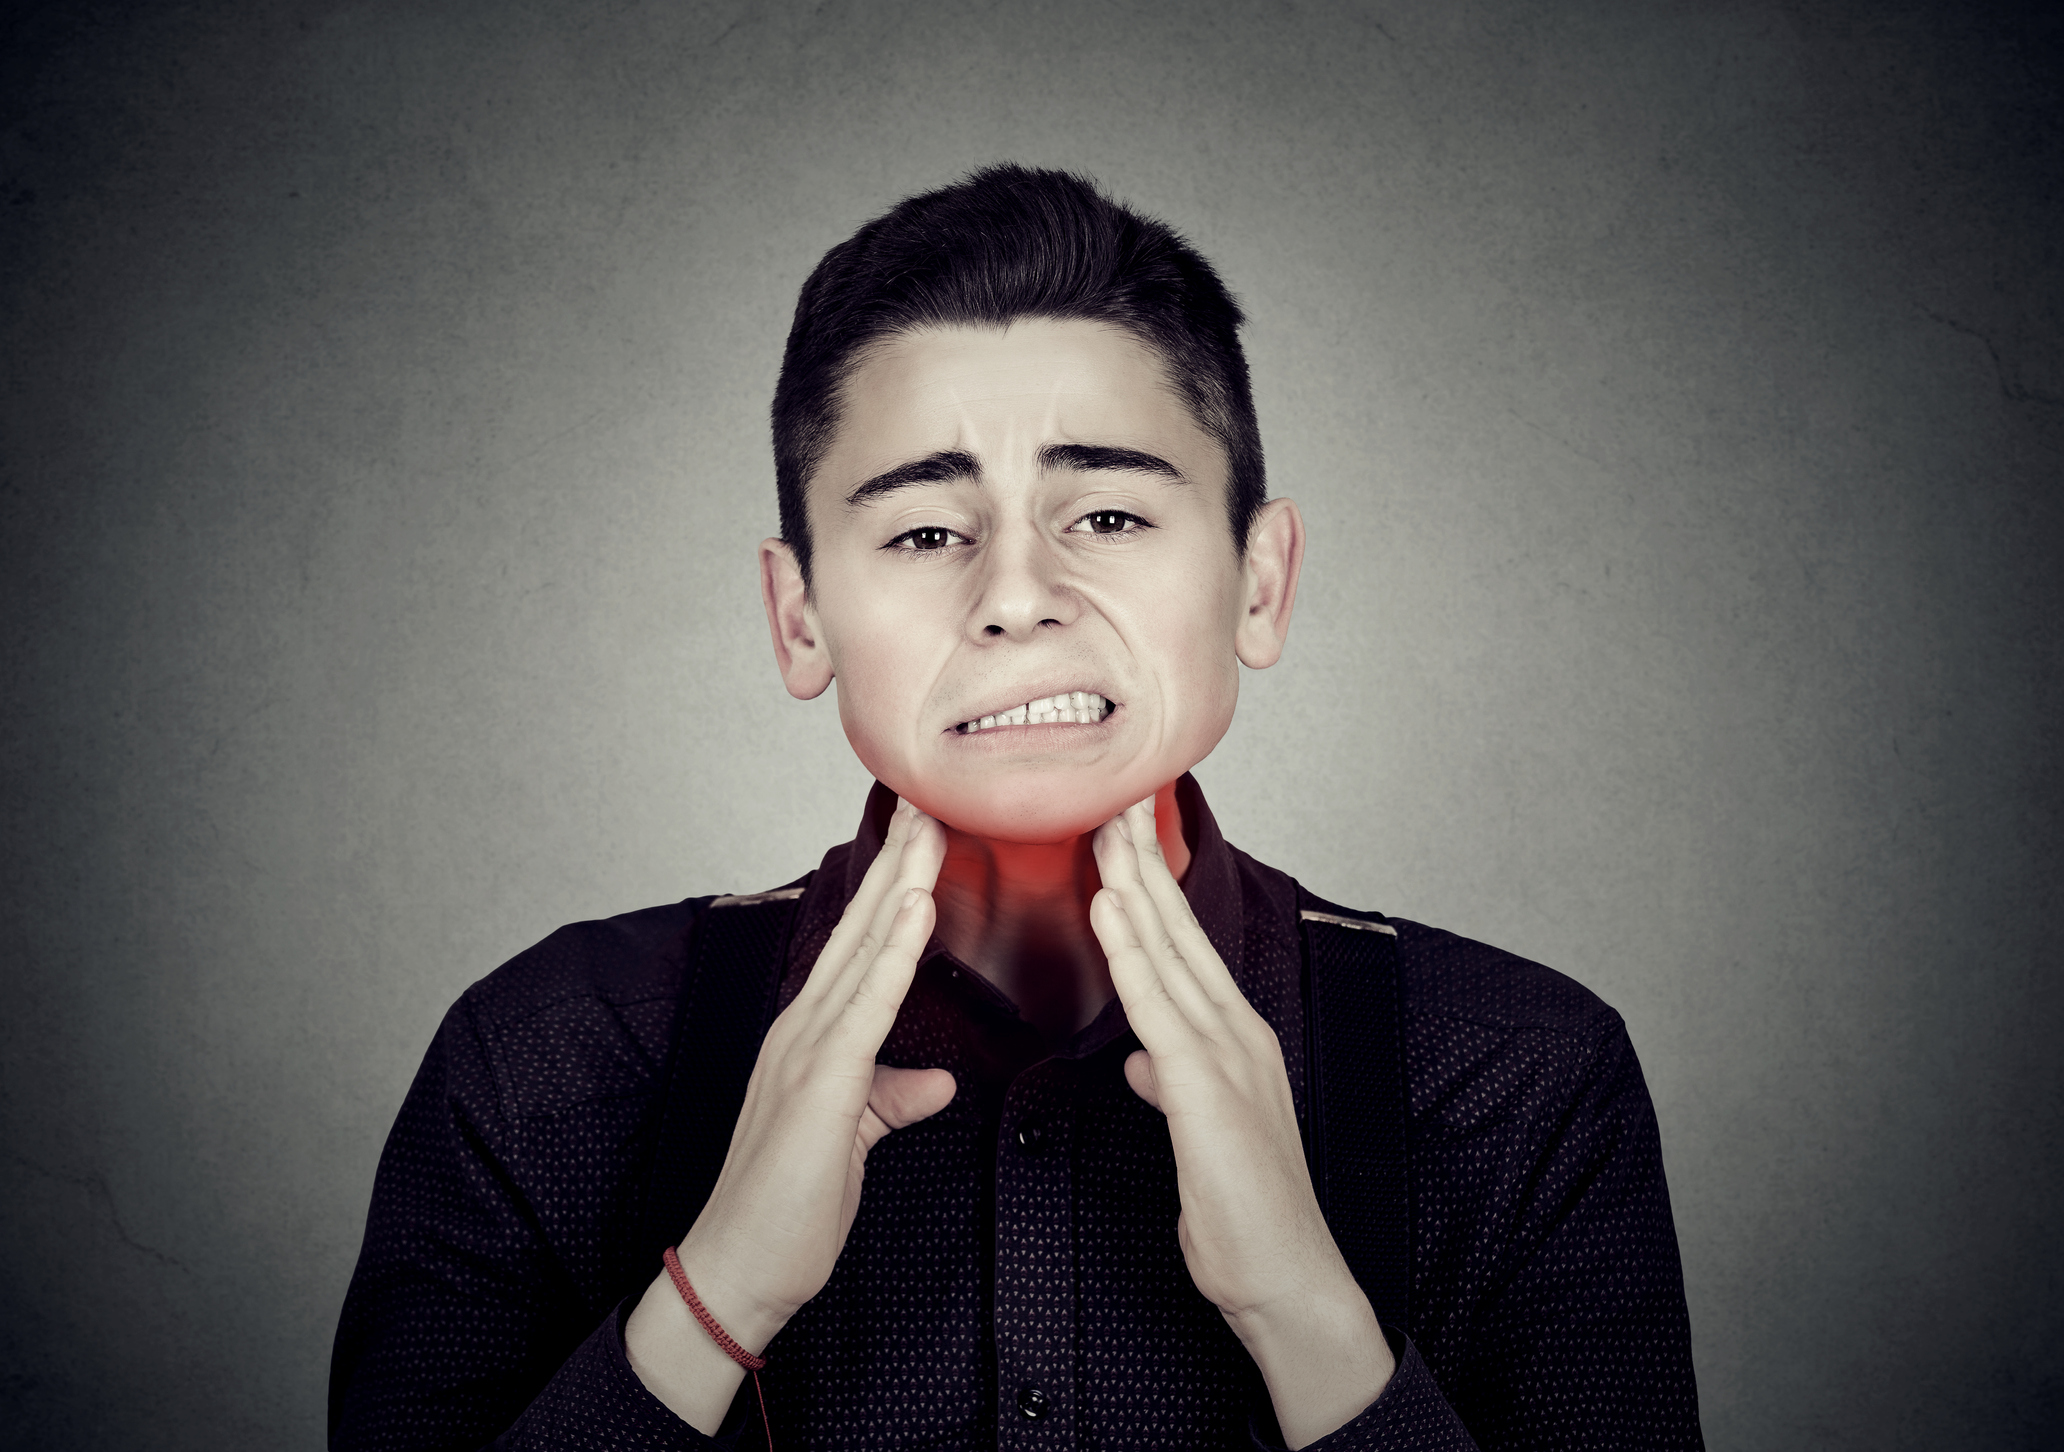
(1000, 393)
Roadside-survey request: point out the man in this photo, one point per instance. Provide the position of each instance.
(1058, 1023)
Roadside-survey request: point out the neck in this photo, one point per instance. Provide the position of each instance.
(1018, 914)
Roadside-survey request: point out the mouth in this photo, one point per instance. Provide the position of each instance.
(1064, 708)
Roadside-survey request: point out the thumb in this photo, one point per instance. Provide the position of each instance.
(904, 1096)
(1139, 1073)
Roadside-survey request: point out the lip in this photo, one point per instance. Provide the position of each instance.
(1036, 693)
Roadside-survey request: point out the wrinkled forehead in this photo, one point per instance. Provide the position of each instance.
(1002, 393)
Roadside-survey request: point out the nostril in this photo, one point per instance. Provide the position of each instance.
(992, 630)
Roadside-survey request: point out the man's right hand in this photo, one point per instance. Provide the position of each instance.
(773, 1227)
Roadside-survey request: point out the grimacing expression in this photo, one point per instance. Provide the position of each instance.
(1023, 578)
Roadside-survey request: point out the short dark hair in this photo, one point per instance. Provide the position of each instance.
(1008, 242)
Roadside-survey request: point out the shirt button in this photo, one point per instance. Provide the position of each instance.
(1033, 1403)
(1032, 1139)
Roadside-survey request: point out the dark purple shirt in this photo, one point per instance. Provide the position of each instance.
(1024, 1237)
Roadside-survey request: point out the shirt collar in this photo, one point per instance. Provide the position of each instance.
(1211, 885)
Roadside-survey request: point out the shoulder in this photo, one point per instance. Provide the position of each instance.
(1491, 1037)
(1449, 976)
(1444, 975)
(1497, 1043)
(590, 1011)
(630, 958)
(586, 1013)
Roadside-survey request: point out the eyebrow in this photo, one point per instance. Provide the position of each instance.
(1086, 457)
(940, 468)
(949, 465)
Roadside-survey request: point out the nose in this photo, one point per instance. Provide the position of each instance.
(1021, 587)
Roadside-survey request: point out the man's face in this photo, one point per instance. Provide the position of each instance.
(1009, 517)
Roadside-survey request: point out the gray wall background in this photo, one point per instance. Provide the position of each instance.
(1674, 391)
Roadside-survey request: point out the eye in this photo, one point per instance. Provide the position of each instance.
(1109, 521)
(924, 539)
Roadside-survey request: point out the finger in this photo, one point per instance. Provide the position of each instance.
(1164, 956)
(869, 1007)
(903, 928)
(904, 1096)
(1176, 913)
(1152, 1009)
(859, 917)
(919, 852)
(919, 856)
(1139, 1073)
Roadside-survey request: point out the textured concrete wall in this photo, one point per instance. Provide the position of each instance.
(1674, 391)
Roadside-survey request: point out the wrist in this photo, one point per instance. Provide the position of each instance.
(1322, 1355)
(675, 1356)
(1280, 1330)
(676, 1360)
(750, 1319)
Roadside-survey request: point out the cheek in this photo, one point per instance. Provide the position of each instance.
(862, 727)
(1202, 686)
(882, 671)
(868, 707)
(1210, 691)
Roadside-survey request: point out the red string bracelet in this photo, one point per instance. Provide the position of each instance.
(722, 1337)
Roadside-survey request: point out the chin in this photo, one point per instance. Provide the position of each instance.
(1032, 807)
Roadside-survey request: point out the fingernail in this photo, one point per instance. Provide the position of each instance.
(1124, 827)
(1148, 806)
(909, 898)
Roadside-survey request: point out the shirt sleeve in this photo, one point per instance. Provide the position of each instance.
(461, 1330)
(1411, 1412)
(1584, 1340)
(596, 1401)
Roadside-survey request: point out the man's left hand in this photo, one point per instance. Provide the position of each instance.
(1250, 1228)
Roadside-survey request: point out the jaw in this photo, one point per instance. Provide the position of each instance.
(1040, 784)
(1048, 784)
(1033, 802)
(1029, 784)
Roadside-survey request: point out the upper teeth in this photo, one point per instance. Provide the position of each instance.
(1083, 708)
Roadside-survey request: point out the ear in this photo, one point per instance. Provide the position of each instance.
(1275, 554)
(799, 648)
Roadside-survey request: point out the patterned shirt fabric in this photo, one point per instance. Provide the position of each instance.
(1012, 1278)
